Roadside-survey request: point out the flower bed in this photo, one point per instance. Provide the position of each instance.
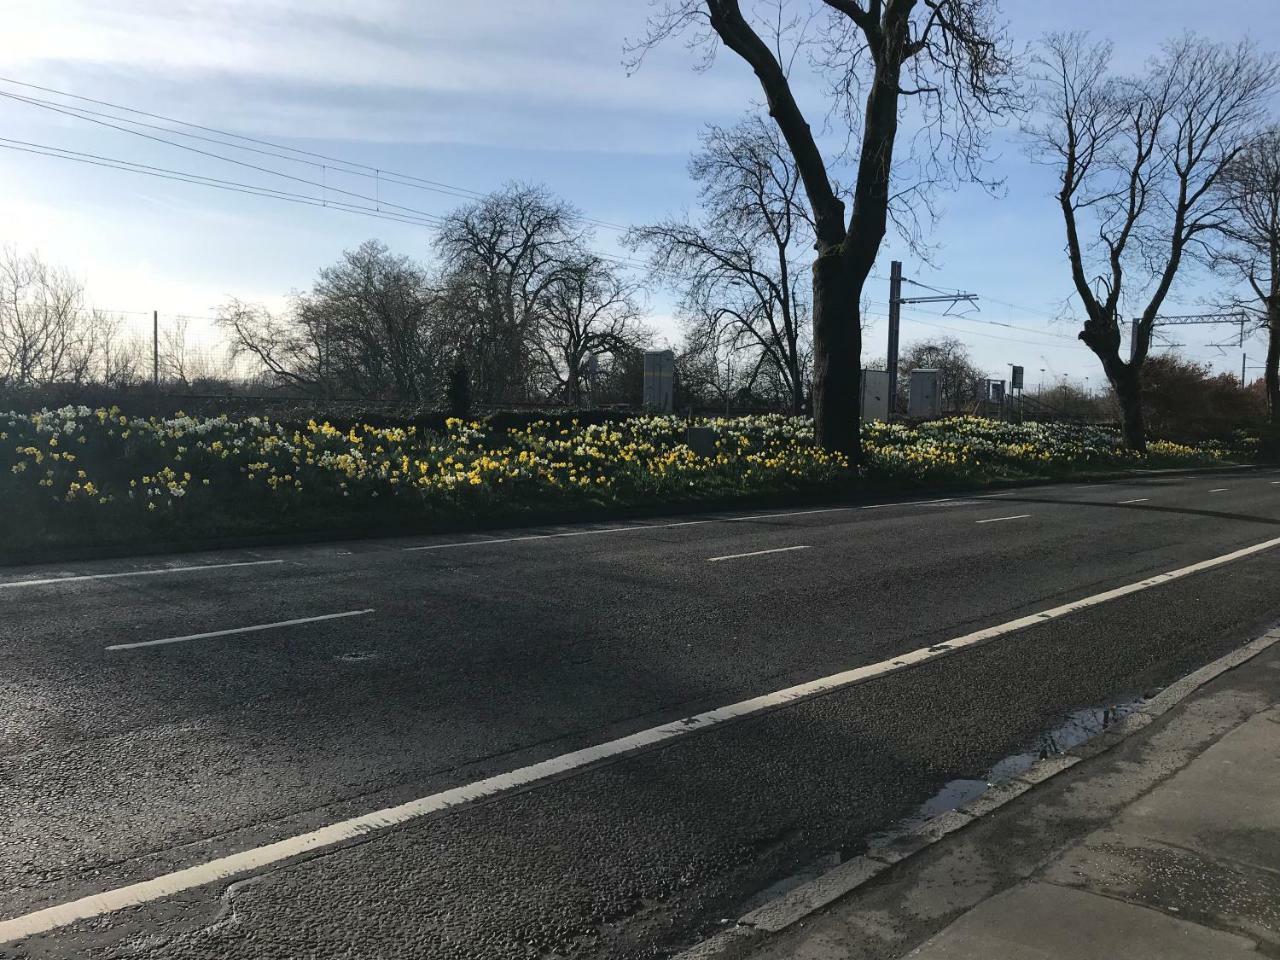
(77, 475)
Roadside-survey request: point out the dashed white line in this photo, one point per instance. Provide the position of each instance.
(756, 553)
(133, 573)
(666, 526)
(1219, 490)
(1019, 516)
(235, 630)
(1135, 500)
(626, 529)
(222, 868)
(909, 503)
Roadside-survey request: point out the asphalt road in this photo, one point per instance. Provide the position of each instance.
(157, 718)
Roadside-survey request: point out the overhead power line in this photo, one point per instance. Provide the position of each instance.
(324, 187)
(298, 155)
(381, 176)
(181, 176)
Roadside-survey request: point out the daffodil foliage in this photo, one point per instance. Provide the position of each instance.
(89, 470)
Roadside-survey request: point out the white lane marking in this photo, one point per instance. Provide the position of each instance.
(627, 529)
(992, 496)
(755, 553)
(135, 894)
(134, 573)
(1135, 500)
(1019, 516)
(661, 526)
(909, 503)
(235, 630)
(1219, 490)
(1275, 481)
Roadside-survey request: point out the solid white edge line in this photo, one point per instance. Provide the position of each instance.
(234, 630)
(756, 553)
(134, 573)
(132, 895)
(1020, 516)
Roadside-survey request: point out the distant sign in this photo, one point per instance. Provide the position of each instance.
(1016, 378)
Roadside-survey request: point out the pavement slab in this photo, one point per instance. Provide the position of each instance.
(1039, 921)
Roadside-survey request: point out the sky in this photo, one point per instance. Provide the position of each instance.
(472, 95)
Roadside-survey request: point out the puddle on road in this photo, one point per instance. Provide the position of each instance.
(1079, 727)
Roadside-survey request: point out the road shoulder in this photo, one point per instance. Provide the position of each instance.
(1162, 833)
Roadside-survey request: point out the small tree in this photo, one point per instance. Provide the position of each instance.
(739, 269)
(369, 326)
(1184, 400)
(500, 258)
(1251, 189)
(46, 333)
(286, 349)
(1139, 163)
(589, 311)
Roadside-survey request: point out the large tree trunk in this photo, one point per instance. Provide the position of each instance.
(1271, 372)
(837, 345)
(1127, 382)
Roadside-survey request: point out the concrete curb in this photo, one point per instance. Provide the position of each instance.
(753, 928)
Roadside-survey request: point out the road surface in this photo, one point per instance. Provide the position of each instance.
(588, 741)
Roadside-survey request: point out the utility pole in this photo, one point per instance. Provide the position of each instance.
(895, 315)
(896, 300)
(1244, 364)
(155, 350)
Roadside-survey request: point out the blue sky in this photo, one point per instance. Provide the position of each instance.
(474, 94)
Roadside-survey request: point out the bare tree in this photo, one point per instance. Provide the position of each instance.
(714, 369)
(1139, 160)
(738, 269)
(369, 325)
(287, 349)
(950, 357)
(180, 360)
(500, 258)
(45, 329)
(1251, 188)
(118, 358)
(589, 311)
(947, 57)
(369, 322)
